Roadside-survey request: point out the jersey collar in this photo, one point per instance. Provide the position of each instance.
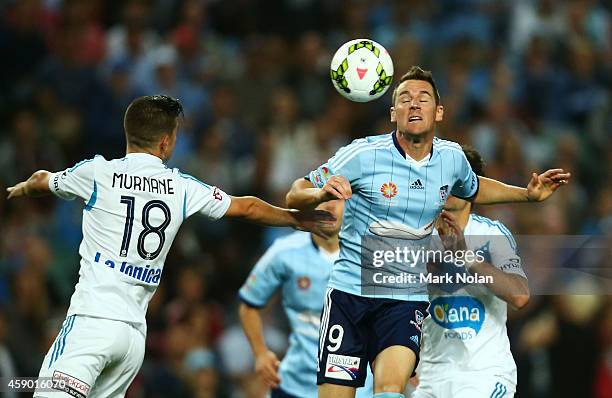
(322, 251)
(144, 157)
(405, 156)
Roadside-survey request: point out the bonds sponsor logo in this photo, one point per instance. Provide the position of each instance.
(511, 265)
(70, 384)
(56, 182)
(458, 313)
(342, 367)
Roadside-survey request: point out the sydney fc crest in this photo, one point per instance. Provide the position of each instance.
(304, 282)
(443, 193)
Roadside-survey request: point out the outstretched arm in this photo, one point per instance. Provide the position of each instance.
(250, 208)
(510, 287)
(36, 185)
(266, 362)
(539, 188)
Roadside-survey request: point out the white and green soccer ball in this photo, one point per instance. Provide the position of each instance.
(361, 70)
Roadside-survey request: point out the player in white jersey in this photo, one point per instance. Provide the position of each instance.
(466, 351)
(134, 207)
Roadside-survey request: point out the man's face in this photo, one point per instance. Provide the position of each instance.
(415, 111)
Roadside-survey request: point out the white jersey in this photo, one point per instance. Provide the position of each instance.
(134, 207)
(467, 330)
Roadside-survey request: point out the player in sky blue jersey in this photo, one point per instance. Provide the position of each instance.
(395, 185)
(299, 266)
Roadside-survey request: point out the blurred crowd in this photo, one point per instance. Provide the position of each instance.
(527, 82)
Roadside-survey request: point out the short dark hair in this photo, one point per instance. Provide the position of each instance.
(475, 159)
(417, 73)
(148, 118)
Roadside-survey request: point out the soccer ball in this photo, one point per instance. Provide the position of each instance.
(361, 70)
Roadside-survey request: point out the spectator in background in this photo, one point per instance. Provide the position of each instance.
(161, 77)
(536, 17)
(83, 19)
(583, 92)
(109, 107)
(238, 362)
(22, 31)
(190, 307)
(239, 140)
(289, 144)
(264, 61)
(129, 42)
(26, 146)
(567, 331)
(7, 363)
(202, 373)
(27, 316)
(599, 219)
(312, 60)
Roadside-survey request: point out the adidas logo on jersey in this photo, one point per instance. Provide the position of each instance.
(417, 184)
(415, 339)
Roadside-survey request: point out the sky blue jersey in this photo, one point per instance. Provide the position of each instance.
(394, 197)
(295, 265)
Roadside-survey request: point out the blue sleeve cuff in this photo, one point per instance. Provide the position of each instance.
(471, 198)
(248, 302)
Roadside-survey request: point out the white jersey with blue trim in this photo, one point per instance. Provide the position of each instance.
(393, 197)
(466, 331)
(300, 270)
(134, 207)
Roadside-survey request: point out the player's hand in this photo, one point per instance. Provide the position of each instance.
(17, 191)
(319, 222)
(337, 187)
(451, 233)
(266, 366)
(542, 186)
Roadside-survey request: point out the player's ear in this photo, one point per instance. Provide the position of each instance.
(164, 143)
(439, 113)
(392, 114)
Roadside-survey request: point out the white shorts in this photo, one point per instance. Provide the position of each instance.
(93, 357)
(468, 385)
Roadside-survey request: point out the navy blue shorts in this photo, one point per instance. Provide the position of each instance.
(279, 393)
(354, 330)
